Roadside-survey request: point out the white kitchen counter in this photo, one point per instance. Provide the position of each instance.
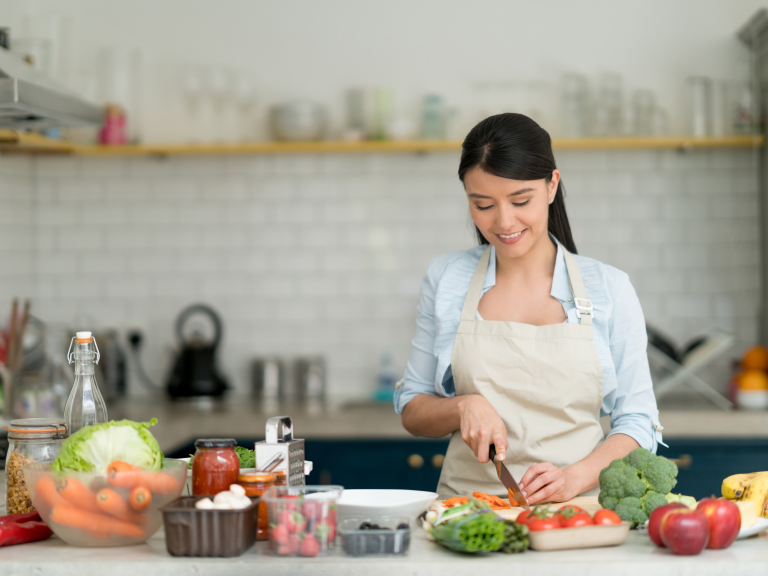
(242, 418)
(637, 556)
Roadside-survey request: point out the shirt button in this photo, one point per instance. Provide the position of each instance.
(569, 299)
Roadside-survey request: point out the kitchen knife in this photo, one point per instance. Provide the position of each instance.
(507, 479)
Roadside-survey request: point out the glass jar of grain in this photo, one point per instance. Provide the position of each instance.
(29, 440)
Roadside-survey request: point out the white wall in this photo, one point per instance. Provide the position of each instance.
(316, 49)
(325, 253)
(17, 231)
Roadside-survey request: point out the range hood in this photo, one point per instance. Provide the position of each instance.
(30, 99)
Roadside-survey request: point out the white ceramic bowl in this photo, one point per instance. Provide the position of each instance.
(752, 399)
(372, 503)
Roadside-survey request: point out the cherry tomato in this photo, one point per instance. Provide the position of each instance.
(577, 520)
(540, 524)
(603, 517)
(524, 517)
(567, 511)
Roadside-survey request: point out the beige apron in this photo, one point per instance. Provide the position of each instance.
(545, 382)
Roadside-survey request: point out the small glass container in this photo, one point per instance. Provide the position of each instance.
(29, 440)
(281, 477)
(255, 484)
(215, 466)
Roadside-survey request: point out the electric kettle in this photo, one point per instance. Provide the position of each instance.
(194, 372)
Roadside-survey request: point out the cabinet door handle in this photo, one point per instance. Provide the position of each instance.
(684, 462)
(415, 461)
(438, 460)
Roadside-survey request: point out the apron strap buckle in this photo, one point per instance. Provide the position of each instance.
(583, 306)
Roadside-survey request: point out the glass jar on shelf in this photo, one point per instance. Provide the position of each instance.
(29, 440)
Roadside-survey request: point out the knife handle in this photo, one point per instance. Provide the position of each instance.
(492, 452)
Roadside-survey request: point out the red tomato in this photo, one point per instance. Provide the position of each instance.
(577, 520)
(603, 517)
(524, 517)
(568, 511)
(540, 524)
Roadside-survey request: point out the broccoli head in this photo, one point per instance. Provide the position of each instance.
(638, 458)
(652, 500)
(621, 480)
(607, 501)
(631, 510)
(660, 474)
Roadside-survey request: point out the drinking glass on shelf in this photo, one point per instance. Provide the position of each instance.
(699, 97)
(575, 105)
(609, 108)
(644, 104)
(742, 108)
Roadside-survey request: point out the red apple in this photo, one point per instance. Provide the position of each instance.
(724, 520)
(684, 531)
(654, 522)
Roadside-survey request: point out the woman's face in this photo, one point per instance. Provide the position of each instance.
(511, 214)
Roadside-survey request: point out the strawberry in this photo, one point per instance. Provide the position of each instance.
(310, 546)
(294, 544)
(312, 509)
(279, 534)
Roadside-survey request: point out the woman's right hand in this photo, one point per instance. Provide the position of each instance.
(481, 426)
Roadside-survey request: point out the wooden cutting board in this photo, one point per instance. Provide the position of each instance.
(589, 503)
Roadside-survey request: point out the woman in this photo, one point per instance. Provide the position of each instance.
(519, 342)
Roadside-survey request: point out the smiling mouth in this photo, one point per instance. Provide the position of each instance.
(509, 236)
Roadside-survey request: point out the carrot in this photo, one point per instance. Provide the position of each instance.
(511, 495)
(67, 515)
(140, 498)
(455, 501)
(115, 505)
(159, 482)
(46, 489)
(124, 475)
(78, 495)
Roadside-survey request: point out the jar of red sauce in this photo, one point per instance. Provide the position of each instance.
(255, 484)
(215, 466)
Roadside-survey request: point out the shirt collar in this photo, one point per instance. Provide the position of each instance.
(561, 285)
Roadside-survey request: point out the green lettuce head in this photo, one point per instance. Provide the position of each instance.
(93, 448)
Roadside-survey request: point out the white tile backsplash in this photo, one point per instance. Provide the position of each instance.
(325, 253)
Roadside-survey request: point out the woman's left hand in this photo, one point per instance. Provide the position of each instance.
(545, 482)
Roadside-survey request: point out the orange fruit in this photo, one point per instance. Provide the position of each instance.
(756, 358)
(753, 380)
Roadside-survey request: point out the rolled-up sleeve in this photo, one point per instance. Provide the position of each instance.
(634, 412)
(419, 377)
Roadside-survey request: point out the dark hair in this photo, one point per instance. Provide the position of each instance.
(513, 146)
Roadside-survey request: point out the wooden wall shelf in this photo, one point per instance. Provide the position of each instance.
(12, 141)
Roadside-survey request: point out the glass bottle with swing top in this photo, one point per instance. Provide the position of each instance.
(85, 405)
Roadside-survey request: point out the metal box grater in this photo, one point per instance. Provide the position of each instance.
(291, 449)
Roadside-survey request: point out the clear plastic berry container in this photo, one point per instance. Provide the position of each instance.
(377, 536)
(302, 519)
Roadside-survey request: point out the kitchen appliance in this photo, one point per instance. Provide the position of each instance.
(506, 478)
(194, 372)
(309, 378)
(291, 449)
(298, 121)
(31, 99)
(268, 378)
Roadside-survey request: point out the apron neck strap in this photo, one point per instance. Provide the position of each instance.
(475, 292)
(580, 298)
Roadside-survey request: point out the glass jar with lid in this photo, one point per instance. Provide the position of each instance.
(215, 466)
(29, 440)
(255, 484)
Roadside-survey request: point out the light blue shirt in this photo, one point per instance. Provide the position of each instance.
(619, 336)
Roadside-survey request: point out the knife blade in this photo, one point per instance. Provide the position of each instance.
(507, 479)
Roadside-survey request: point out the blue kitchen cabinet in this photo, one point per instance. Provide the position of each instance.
(415, 464)
(404, 464)
(703, 463)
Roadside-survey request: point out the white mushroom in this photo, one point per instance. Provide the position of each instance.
(237, 490)
(204, 504)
